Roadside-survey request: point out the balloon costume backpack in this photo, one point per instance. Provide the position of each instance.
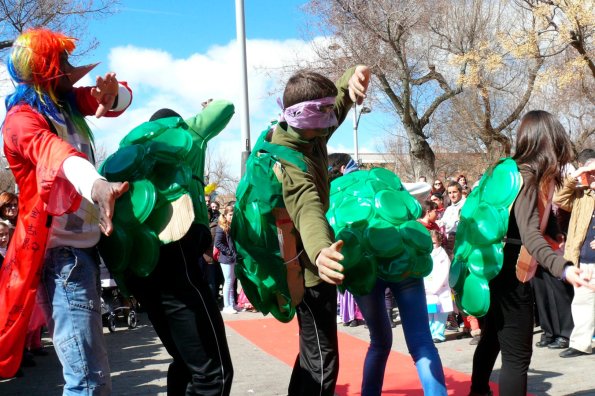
(164, 162)
(376, 216)
(264, 235)
(478, 250)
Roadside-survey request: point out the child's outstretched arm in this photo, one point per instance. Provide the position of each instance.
(358, 84)
(328, 265)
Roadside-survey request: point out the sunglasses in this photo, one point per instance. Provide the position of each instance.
(437, 184)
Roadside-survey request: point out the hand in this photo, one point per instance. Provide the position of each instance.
(577, 278)
(105, 91)
(328, 265)
(592, 244)
(590, 167)
(104, 194)
(358, 84)
(589, 172)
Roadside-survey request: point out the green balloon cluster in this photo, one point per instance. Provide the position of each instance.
(261, 268)
(376, 218)
(478, 250)
(164, 162)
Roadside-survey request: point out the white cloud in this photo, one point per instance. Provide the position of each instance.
(159, 80)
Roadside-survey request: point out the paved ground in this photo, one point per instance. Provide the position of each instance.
(139, 365)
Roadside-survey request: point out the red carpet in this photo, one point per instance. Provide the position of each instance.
(281, 340)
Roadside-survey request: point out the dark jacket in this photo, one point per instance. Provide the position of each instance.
(208, 254)
(224, 243)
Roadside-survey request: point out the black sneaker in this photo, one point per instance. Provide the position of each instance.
(571, 352)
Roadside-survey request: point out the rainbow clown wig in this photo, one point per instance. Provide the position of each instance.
(34, 64)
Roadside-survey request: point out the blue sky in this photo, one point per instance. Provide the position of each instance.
(178, 53)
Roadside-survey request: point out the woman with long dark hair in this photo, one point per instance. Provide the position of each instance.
(542, 149)
(227, 258)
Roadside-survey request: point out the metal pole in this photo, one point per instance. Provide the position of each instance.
(355, 144)
(245, 111)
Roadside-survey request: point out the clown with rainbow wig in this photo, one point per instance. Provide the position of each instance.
(64, 205)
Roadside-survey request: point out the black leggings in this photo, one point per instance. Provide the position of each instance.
(508, 327)
(186, 318)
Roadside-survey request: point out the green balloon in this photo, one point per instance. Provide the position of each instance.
(478, 251)
(162, 160)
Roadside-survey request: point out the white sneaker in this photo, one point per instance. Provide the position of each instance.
(229, 310)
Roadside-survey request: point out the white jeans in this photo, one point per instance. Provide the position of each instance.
(229, 277)
(583, 314)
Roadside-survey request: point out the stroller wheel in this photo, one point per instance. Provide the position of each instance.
(132, 320)
(111, 323)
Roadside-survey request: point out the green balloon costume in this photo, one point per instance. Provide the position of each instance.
(478, 250)
(376, 218)
(261, 268)
(164, 162)
(369, 210)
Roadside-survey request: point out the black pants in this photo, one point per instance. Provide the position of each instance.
(552, 299)
(186, 318)
(317, 365)
(508, 328)
(213, 276)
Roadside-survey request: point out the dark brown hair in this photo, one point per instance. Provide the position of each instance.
(307, 85)
(6, 198)
(428, 206)
(453, 183)
(542, 149)
(335, 162)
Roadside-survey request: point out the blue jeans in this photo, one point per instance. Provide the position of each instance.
(411, 301)
(73, 308)
(228, 293)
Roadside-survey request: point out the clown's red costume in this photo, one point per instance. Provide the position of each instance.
(43, 130)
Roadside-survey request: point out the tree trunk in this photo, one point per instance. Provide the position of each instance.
(422, 157)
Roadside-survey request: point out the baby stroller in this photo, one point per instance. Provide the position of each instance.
(114, 306)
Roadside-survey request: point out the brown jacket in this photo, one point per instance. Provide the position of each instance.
(581, 204)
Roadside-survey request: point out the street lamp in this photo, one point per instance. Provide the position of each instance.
(356, 116)
(245, 113)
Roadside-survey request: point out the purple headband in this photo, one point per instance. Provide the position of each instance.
(310, 114)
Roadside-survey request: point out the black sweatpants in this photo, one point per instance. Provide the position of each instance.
(317, 365)
(186, 318)
(508, 328)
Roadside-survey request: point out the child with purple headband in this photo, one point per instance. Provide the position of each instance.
(313, 108)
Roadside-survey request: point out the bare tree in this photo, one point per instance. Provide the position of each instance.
(393, 37)
(503, 64)
(573, 104)
(567, 24)
(217, 171)
(69, 17)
